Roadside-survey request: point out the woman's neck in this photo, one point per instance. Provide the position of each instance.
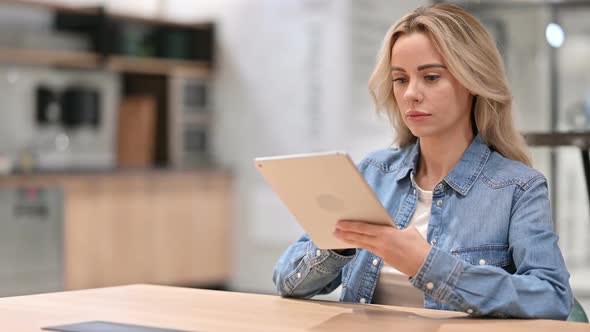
(438, 156)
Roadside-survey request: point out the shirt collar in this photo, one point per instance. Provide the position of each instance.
(463, 175)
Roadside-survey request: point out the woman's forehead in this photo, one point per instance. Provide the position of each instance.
(414, 48)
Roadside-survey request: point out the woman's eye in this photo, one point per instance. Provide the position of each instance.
(400, 80)
(432, 78)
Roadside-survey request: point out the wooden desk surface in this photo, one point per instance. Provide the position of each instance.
(204, 311)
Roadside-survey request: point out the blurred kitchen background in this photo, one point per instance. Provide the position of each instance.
(128, 129)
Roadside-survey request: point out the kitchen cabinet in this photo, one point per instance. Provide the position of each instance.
(163, 227)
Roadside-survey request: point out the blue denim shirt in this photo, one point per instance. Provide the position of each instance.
(494, 251)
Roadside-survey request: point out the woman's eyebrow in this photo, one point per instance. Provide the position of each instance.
(421, 67)
(431, 65)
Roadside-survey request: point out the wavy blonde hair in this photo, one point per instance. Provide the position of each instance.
(472, 58)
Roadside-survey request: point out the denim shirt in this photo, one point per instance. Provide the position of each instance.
(494, 252)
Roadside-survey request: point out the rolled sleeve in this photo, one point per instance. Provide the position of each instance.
(438, 276)
(304, 270)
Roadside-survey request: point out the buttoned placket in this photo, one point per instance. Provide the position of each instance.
(438, 198)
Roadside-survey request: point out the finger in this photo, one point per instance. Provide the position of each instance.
(361, 240)
(360, 245)
(360, 227)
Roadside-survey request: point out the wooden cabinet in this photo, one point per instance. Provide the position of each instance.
(147, 227)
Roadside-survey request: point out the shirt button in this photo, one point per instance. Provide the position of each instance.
(318, 253)
(430, 285)
(433, 242)
(470, 311)
(440, 187)
(363, 300)
(414, 192)
(482, 262)
(298, 275)
(375, 262)
(439, 202)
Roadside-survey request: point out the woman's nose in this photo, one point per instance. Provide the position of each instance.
(413, 93)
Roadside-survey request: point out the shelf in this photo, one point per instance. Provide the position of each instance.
(74, 59)
(549, 139)
(54, 177)
(89, 60)
(102, 56)
(184, 68)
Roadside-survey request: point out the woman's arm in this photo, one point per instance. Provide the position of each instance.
(539, 288)
(304, 270)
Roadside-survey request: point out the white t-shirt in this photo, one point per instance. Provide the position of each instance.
(393, 287)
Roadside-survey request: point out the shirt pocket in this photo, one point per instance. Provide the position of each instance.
(492, 254)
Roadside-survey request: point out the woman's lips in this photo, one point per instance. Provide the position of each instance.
(417, 115)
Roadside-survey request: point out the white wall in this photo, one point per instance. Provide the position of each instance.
(287, 82)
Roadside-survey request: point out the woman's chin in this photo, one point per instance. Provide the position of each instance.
(421, 132)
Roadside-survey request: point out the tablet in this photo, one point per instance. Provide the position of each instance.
(321, 188)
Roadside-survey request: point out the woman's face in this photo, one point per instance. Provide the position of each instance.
(431, 101)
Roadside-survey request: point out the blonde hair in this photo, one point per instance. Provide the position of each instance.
(472, 58)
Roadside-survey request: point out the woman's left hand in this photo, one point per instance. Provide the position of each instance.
(403, 249)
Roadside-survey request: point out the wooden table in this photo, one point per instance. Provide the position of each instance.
(204, 310)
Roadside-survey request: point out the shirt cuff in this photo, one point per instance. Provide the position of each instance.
(438, 275)
(326, 261)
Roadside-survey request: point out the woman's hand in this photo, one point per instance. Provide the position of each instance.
(404, 249)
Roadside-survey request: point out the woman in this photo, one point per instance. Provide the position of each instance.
(474, 220)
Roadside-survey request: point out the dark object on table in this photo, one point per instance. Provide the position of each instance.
(101, 326)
